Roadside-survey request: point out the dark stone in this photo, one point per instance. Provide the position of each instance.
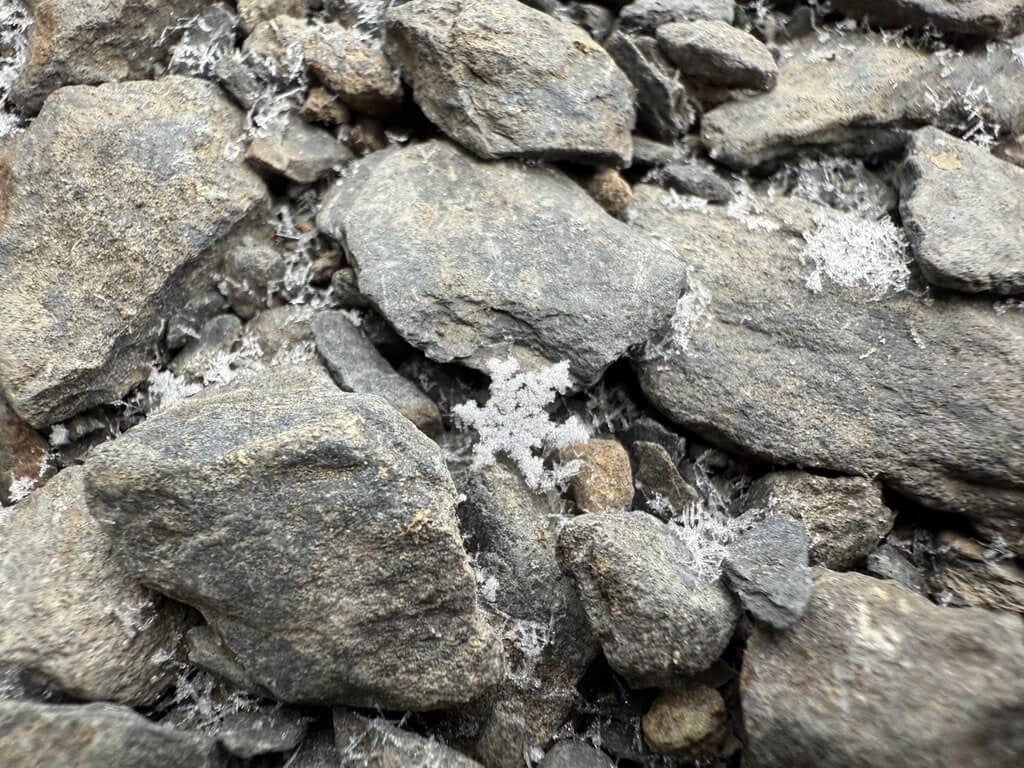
(297, 150)
(377, 742)
(982, 18)
(698, 180)
(647, 15)
(718, 53)
(657, 478)
(575, 754)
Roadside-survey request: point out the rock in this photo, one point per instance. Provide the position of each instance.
(767, 569)
(662, 100)
(688, 723)
(657, 479)
(204, 355)
(252, 12)
(965, 573)
(297, 150)
(316, 751)
(252, 272)
(1011, 150)
(595, 19)
(647, 15)
(357, 366)
(82, 303)
(360, 74)
(845, 517)
(575, 754)
(718, 53)
(283, 334)
(186, 321)
(377, 742)
(697, 180)
(207, 651)
(983, 18)
(75, 42)
(520, 724)
(887, 562)
(470, 260)
(313, 480)
(656, 623)
(505, 80)
(855, 93)
(648, 153)
(277, 46)
(604, 482)
(610, 191)
(823, 379)
(322, 106)
(95, 736)
(24, 455)
(202, 41)
(345, 289)
(823, 693)
(268, 729)
(69, 612)
(961, 207)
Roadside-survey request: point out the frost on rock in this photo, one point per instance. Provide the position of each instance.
(14, 24)
(515, 421)
(855, 252)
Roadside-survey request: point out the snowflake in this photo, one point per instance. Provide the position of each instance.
(855, 252)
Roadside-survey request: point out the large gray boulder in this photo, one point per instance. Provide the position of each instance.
(923, 393)
(471, 260)
(139, 196)
(316, 532)
(875, 675)
(961, 207)
(984, 18)
(505, 80)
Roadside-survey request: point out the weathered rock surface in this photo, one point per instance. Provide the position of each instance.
(922, 393)
(252, 12)
(575, 754)
(610, 191)
(471, 260)
(845, 516)
(985, 18)
(718, 53)
(647, 15)
(267, 729)
(604, 482)
(823, 693)
(658, 481)
(505, 80)
(297, 150)
(95, 736)
(961, 208)
(23, 453)
(310, 519)
(698, 180)
(360, 75)
(74, 42)
(656, 622)
(84, 290)
(70, 613)
(376, 742)
(689, 723)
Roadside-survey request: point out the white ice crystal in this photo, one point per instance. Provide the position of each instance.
(855, 252)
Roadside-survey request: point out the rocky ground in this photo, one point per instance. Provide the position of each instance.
(498, 383)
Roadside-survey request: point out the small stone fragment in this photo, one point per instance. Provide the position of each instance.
(377, 742)
(575, 754)
(647, 15)
(887, 562)
(648, 153)
(252, 12)
(611, 191)
(298, 150)
(604, 482)
(322, 106)
(697, 180)
(268, 729)
(200, 356)
(360, 75)
(689, 723)
(251, 273)
(983, 18)
(719, 53)
(659, 482)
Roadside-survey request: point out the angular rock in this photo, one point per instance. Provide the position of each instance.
(648, 153)
(766, 567)
(656, 622)
(377, 742)
(251, 273)
(845, 517)
(88, 42)
(297, 150)
(349, 502)
(70, 614)
(357, 366)
(824, 379)
(964, 573)
(316, 751)
(268, 729)
(983, 18)
(252, 12)
(887, 562)
(23, 454)
(575, 754)
(688, 723)
(470, 260)
(505, 80)
(961, 208)
(85, 289)
(823, 693)
(657, 480)
(718, 53)
(604, 482)
(360, 74)
(647, 15)
(697, 180)
(322, 106)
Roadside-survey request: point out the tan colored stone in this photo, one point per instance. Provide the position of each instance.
(611, 191)
(690, 724)
(604, 482)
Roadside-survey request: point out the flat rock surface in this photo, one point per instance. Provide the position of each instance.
(377, 742)
(647, 15)
(985, 18)
(471, 260)
(84, 290)
(718, 53)
(302, 520)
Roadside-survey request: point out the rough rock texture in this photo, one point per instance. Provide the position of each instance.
(252, 12)
(360, 75)
(23, 452)
(925, 394)
(604, 482)
(75, 42)
(825, 693)
(70, 614)
(657, 478)
(84, 290)
(298, 150)
(357, 366)
(966, 573)
(961, 208)
(575, 754)
(985, 18)
(505, 80)
(470, 260)
(95, 736)
(854, 92)
(290, 482)
(610, 191)
(767, 569)
(689, 723)
(656, 622)
(647, 15)
(377, 743)
(845, 516)
(718, 53)
(698, 180)
(267, 729)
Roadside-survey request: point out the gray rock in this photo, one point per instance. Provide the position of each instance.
(824, 693)
(186, 321)
(70, 614)
(964, 572)
(575, 754)
(251, 273)
(845, 516)
(855, 93)
(647, 15)
(836, 379)
(887, 562)
(595, 19)
(377, 743)
(351, 503)
(75, 42)
(505, 80)
(316, 751)
(357, 366)
(23, 453)
(656, 623)
(1011, 150)
(200, 355)
(648, 153)
(207, 651)
(470, 260)
(95, 736)
(360, 74)
(297, 150)
(984, 18)
(657, 478)
(697, 180)
(252, 12)
(283, 334)
(85, 289)
(961, 208)
(767, 569)
(718, 53)
(268, 729)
